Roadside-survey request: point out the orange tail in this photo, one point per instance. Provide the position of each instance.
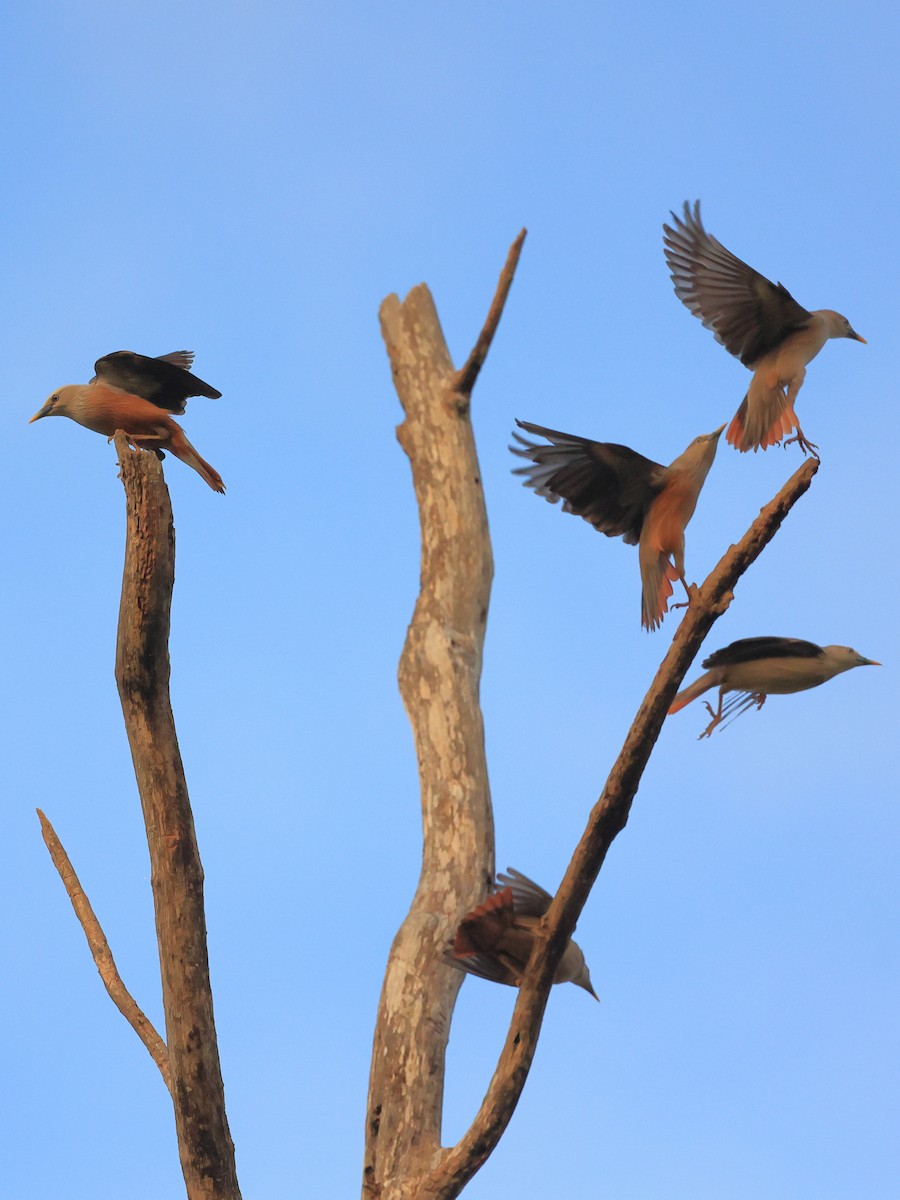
(762, 424)
(657, 588)
(182, 448)
(697, 688)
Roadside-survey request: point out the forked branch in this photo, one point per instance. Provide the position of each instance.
(607, 819)
(439, 675)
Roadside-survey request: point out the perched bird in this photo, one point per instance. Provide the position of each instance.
(135, 394)
(763, 666)
(759, 322)
(495, 939)
(621, 493)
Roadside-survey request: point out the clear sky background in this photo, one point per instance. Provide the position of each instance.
(249, 181)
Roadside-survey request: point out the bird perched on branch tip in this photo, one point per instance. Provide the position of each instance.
(757, 321)
(762, 666)
(623, 494)
(136, 394)
(495, 939)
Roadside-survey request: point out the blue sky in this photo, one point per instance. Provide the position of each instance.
(250, 182)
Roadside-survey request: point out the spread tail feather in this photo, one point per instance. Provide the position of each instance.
(762, 421)
(656, 580)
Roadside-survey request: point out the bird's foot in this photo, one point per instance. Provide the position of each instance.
(804, 443)
(691, 590)
(716, 720)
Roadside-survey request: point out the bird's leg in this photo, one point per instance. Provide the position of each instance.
(716, 716)
(690, 590)
(804, 443)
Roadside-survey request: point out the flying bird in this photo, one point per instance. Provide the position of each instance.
(757, 321)
(495, 939)
(763, 666)
(135, 394)
(623, 494)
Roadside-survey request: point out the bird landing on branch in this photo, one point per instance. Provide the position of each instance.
(757, 321)
(623, 494)
(763, 666)
(136, 394)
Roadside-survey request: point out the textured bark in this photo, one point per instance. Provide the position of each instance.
(439, 680)
(439, 675)
(142, 675)
(608, 817)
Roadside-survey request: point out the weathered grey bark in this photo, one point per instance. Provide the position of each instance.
(176, 875)
(440, 671)
(439, 679)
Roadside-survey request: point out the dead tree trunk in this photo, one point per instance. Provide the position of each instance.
(439, 681)
(142, 675)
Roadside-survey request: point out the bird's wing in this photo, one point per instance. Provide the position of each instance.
(528, 898)
(608, 485)
(479, 964)
(165, 381)
(753, 649)
(748, 314)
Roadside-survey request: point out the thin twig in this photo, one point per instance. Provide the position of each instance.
(102, 955)
(468, 373)
(608, 817)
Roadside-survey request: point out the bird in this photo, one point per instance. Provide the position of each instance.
(758, 667)
(757, 321)
(495, 939)
(136, 394)
(623, 494)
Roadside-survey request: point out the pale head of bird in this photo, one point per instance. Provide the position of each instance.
(698, 457)
(842, 658)
(573, 969)
(837, 326)
(61, 403)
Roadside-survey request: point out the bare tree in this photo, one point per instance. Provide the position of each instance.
(188, 1060)
(439, 679)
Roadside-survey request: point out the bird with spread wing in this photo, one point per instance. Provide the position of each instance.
(137, 395)
(757, 321)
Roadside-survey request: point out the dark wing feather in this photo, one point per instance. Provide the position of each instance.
(748, 314)
(166, 381)
(482, 965)
(753, 649)
(529, 898)
(608, 485)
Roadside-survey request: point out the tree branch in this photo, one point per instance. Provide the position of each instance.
(607, 819)
(101, 953)
(466, 376)
(142, 675)
(439, 676)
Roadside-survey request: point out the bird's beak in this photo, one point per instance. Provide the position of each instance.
(857, 338)
(716, 433)
(45, 411)
(869, 662)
